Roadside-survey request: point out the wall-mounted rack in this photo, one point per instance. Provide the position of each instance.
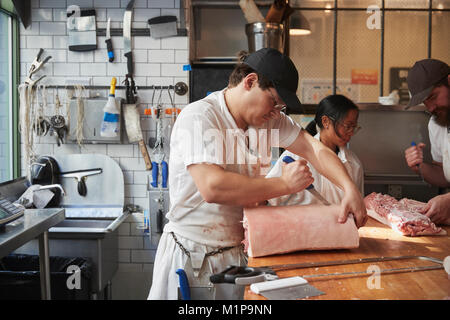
(180, 88)
(135, 32)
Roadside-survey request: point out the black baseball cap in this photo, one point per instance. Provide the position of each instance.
(279, 69)
(422, 78)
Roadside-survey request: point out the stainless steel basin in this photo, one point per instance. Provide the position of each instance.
(96, 239)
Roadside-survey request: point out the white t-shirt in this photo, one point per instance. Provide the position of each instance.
(440, 145)
(325, 187)
(203, 133)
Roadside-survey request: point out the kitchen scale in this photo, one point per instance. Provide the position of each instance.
(9, 212)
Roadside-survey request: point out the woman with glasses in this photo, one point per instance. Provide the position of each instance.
(337, 121)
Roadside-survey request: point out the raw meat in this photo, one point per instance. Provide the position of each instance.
(402, 216)
(274, 230)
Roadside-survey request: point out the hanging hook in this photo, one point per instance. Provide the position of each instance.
(153, 95)
(170, 97)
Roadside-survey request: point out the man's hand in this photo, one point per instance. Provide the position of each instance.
(438, 209)
(296, 176)
(414, 156)
(353, 203)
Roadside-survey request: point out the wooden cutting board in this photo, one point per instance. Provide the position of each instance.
(376, 240)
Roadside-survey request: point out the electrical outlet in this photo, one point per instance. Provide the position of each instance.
(395, 190)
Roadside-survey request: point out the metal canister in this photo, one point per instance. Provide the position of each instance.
(265, 35)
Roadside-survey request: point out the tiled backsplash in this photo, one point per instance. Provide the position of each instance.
(157, 62)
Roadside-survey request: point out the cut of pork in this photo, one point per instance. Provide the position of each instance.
(275, 230)
(402, 216)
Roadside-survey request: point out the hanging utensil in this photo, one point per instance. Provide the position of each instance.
(108, 41)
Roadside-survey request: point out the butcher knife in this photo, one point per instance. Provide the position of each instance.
(127, 36)
(310, 188)
(109, 42)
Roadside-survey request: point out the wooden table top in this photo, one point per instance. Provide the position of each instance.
(376, 240)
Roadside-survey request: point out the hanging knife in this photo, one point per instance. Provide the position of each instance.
(127, 36)
(109, 42)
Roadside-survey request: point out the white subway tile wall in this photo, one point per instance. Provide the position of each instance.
(157, 62)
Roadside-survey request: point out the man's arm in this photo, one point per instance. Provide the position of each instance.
(217, 185)
(432, 173)
(328, 164)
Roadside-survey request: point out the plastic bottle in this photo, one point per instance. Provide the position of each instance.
(110, 123)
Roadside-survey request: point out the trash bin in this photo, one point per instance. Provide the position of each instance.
(20, 278)
(264, 35)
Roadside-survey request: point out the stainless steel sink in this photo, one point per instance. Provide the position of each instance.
(95, 239)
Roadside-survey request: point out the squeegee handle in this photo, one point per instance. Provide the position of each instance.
(155, 172)
(165, 172)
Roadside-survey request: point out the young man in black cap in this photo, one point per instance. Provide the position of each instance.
(429, 83)
(219, 147)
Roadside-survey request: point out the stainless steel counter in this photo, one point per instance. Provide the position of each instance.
(34, 223)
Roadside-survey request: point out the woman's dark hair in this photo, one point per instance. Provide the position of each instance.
(241, 70)
(334, 107)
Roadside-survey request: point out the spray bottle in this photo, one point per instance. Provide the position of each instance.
(110, 123)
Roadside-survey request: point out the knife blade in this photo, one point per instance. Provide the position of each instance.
(315, 193)
(127, 36)
(109, 42)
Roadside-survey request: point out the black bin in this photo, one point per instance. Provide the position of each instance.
(20, 278)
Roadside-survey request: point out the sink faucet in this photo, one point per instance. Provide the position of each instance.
(49, 186)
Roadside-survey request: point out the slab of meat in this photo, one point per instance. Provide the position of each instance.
(402, 216)
(274, 230)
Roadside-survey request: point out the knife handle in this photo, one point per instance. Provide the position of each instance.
(143, 147)
(289, 159)
(110, 50)
(129, 63)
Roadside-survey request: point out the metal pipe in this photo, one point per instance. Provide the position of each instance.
(44, 266)
(382, 51)
(335, 47)
(430, 26)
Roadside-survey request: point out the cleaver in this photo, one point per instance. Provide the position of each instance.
(131, 114)
(134, 132)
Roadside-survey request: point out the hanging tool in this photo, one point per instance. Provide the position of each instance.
(110, 123)
(164, 173)
(310, 188)
(82, 30)
(58, 123)
(155, 174)
(108, 41)
(163, 26)
(80, 176)
(184, 284)
(131, 114)
(127, 36)
(35, 67)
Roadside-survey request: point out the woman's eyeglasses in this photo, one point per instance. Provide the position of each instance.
(348, 128)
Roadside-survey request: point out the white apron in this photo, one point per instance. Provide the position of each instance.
(446, 155)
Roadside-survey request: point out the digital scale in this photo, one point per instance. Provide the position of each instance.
(9, 212)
